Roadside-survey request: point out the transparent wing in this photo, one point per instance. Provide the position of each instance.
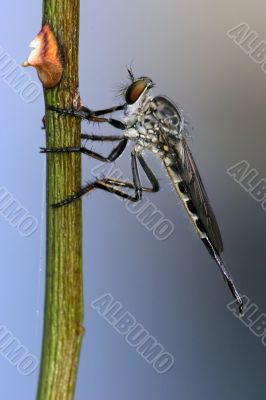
(194, 187)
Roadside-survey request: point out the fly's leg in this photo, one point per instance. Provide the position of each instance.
(109, 110)
(101, 138)
(104, 184)
(112, 185)
(148, 172)
(89, 115)
(136, 177)
(114, 154)
(150, 175)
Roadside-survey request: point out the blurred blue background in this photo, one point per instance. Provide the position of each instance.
(172, 287)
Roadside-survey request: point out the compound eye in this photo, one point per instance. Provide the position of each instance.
(135, 90)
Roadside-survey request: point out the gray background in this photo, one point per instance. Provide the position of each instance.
(172, 287)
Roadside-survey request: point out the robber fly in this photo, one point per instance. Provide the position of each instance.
(155, 124)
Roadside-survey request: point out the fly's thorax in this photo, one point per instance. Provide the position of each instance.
(144, 127)
(131, 134)
(147, 139)
(168, 113)
(157, 150)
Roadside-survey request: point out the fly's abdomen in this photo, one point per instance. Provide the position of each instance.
(180, 188)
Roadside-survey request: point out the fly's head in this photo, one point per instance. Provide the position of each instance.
(137, 93)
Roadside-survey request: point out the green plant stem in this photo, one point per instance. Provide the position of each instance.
(63, 329)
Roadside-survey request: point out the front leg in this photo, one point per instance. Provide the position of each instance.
(89, 115)
(101, 138)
